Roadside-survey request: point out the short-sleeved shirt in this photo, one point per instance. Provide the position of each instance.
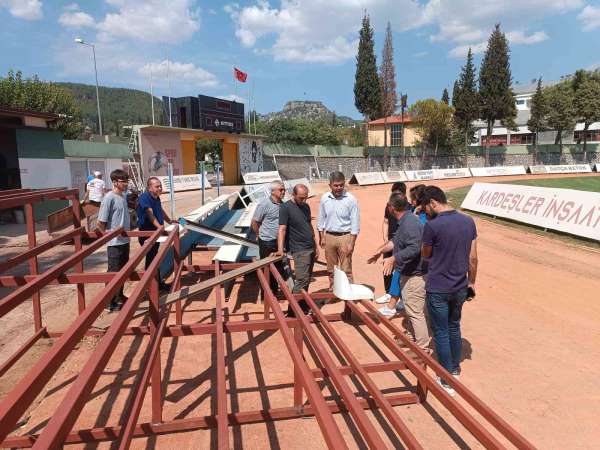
(146, 201)
(299, 235)
(95, 188)
(114, 212)
(267, 214)
(450, 235)
(407, 246)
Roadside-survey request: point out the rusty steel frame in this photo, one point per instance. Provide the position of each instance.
(314, 333)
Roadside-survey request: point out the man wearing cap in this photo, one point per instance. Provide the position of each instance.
(338, 224)
(96, 188)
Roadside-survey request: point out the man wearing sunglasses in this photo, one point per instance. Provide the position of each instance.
(265, 224)
(113, 214)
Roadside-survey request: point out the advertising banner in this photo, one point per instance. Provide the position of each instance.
(563, 168)
(566, 210)
(497, 171)
(393, 176)
(367, 178)
(260, 177)
(440, 174)
(419, 175)
(184, 183)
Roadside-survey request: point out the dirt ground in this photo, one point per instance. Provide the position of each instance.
(531, 347)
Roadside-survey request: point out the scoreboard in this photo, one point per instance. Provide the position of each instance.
(205, 113)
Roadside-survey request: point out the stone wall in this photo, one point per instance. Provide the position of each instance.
(299, 167)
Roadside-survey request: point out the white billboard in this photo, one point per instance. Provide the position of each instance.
(260, 177)
(497, 171)
(566, 210)
(184, 183)
(367, 178)
(419, 175)
(562, 168)
(462, 172)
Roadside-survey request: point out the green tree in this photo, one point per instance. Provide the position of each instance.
(465, 101)
(538, 116)
(587, 106)
(367, 93)
(445, 97)
(211, 147)
(387, 83)
(497, 100)
(37, 95)
(561, 110)
(433, 122)
(298, 131)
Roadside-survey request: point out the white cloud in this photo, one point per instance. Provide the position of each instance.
(462, 50)
(233, 98)
(420, 54)
(71, 7)
(178, 72)
(311, 31)
(23, 9)
(590, 18)
(77, 19)
(164, 21)
(519, 37)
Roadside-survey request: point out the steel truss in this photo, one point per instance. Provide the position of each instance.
(314, 330)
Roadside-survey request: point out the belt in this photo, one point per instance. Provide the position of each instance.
(338, 233)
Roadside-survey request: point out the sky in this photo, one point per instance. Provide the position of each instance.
(291, 49)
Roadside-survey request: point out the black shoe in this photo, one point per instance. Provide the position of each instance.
(164, 287)
(113, 306)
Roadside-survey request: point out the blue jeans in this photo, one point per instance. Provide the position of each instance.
(444, 315)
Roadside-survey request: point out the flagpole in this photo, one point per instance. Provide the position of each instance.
(248, 103)
(254, 105)
(151, 94)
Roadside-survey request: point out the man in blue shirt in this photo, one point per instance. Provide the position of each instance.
(151, 216)
(450, 244)
(338, 224)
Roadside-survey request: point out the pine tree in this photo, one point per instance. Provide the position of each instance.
(537, 119)
(497, 100)
(367, 93)
(387, 83)
(445, 97)
(465, 100)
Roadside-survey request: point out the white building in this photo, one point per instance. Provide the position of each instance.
(522, 135)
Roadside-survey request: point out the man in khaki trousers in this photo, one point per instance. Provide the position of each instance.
(338, 224)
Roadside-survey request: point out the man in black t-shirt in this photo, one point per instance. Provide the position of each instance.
(390, 225)
(297, 237)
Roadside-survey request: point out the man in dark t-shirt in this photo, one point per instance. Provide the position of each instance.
(390, 225)
(450, 244)
(297, 237)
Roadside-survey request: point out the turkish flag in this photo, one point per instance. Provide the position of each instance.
(241, 76)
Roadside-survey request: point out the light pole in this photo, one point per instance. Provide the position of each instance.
(82, 42)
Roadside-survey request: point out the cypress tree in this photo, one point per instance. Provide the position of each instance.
(538, 116)
(445, 97)
(465, 100)
(497, 100)
(367, 93)
(387, 83)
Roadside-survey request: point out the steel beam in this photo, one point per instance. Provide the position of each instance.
(25, 392)
(66, 414)
(206, 422)
(16, 297)
(221, 382)
(369, 432)
(331, 432)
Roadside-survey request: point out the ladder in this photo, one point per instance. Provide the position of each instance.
(134, 165)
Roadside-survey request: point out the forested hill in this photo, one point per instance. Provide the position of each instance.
(119, 106)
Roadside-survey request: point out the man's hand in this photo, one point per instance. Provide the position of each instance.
(349, 248)
(373, 259)
(388, 265)
(322, 243)
(278, 253)
(316, 252)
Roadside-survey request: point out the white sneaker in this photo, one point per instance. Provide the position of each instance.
(387, 312)
(385, 298)
(456, 375)
(451, 392)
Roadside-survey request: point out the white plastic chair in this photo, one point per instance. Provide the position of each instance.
(344, 290)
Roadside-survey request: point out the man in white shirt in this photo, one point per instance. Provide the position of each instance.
(96, 189)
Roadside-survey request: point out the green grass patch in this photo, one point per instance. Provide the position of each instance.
(591, 184)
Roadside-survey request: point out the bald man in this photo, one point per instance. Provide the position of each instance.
(297, 237)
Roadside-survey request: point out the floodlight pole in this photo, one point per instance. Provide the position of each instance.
(82, 42)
